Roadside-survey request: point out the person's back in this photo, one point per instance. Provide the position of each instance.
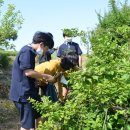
(49, 67)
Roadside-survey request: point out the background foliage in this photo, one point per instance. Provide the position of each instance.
(11, 22)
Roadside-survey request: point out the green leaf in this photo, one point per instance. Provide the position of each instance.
(95, 77)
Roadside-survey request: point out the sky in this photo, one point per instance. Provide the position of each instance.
(54, 15)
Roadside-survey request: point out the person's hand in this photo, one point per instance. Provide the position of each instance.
(59, 74)
(40, 83)
(49, 78)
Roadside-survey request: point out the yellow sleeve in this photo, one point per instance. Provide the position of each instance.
(48, 67)
(43, 69)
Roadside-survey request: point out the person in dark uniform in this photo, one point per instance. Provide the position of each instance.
(46, 56)
(23, 79)
(70, 47)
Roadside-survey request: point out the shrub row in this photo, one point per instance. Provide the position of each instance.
(5, 58)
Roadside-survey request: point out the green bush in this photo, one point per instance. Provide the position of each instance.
(99, 98)
(100, 94)
(8, 53)
(4, 61)
(5, 58)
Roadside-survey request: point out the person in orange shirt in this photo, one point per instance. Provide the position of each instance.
(55, 67)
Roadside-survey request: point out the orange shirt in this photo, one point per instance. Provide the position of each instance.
(51, 67)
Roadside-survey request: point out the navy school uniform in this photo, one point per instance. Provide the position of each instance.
(68, 47)
(22, 86)
(45, 57)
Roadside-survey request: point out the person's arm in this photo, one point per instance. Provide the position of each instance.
(27, 63)
(79, 53)
(59, 52)
(34, 74)
(60, 89)
(80, 61)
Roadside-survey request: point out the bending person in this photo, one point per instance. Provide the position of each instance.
(55, 68)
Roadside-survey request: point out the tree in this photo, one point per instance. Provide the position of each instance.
(11, 22)
(75, 32)
(118, 15)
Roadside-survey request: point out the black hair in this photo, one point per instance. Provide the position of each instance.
(46, 38)
(69, 61)
(50, 34)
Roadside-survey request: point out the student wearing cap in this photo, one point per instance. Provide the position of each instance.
(23, 79)
(70, 47)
